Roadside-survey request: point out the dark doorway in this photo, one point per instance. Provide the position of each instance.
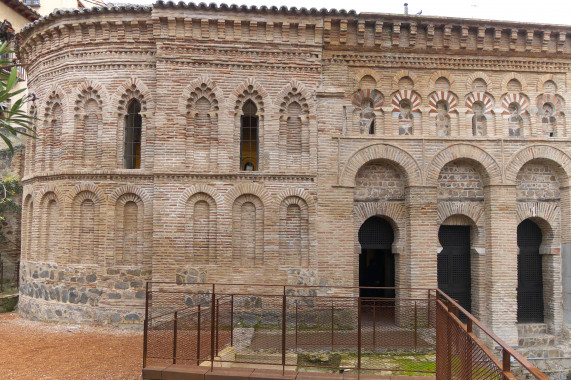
(454, 269)
(376, 261)
(529, 273)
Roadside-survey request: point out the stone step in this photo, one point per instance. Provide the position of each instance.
(531, 328)
(536, 340)
(273, 358)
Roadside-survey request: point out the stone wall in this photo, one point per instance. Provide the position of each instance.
(313, 83)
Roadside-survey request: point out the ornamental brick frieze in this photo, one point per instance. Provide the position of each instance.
(422, 61)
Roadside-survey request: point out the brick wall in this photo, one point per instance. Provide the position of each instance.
(316, 80)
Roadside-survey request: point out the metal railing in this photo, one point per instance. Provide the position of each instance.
(462, 354)
(318, 328)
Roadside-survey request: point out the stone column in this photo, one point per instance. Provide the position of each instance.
(501, 261)
(422, 244)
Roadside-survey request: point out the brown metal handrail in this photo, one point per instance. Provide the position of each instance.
(416, 322)
(507, 351)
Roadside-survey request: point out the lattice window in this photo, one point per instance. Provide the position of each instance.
(133, 135)
(249, 137)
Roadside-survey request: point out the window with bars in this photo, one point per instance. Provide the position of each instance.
(249, 137)
(133, 131)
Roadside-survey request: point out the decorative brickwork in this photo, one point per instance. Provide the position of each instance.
(422, 121)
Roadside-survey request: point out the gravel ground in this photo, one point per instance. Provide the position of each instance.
(37, 350)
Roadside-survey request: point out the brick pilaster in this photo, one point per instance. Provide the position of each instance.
(421, 252)
(501, 262)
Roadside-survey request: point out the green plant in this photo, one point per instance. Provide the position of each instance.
(14, 120)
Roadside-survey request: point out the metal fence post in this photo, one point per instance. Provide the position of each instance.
(232, 320)
(374, 324)
(415, 327)
(295, 325)
(448, 345)
(359, 335)
(174, 337)
(428, 311)
(217, 323)
(332, 324)
(212, 321)
(284, 331)
(146, 327)
(198, 331)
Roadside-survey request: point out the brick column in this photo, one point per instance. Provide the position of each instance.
(422, 241)
(501, 261)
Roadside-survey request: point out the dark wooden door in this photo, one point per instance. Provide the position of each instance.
(454, 269)
(376, 262)
(529, 274)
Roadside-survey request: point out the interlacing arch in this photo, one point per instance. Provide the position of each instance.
(250, 90)
(375, 96)
(294, 96)
(491, 171)
(98, 195)
(201, 90)
(483, 97)
(555, 100)
(441, 74)
(519, 99)
(199, 188)
(449, 97)
(402, 159)
(518, 77)
(478, 75)
(249, 188)
(129, 189)
(89, 91)
(132, 89)
(400, 75)
(560, 159)
(409, 95)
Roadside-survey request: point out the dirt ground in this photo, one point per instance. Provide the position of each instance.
(37, 350)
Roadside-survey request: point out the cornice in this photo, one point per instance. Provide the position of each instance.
(180, 176)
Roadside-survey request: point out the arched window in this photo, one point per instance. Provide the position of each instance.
(367, 117)
(442, 119)
(479, 121)
(133, 131)
(249, 137)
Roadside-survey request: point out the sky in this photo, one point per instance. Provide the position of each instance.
(550, 12)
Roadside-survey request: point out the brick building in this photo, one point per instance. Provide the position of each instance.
(231, 144)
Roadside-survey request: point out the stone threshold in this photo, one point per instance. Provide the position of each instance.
(186, 372)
